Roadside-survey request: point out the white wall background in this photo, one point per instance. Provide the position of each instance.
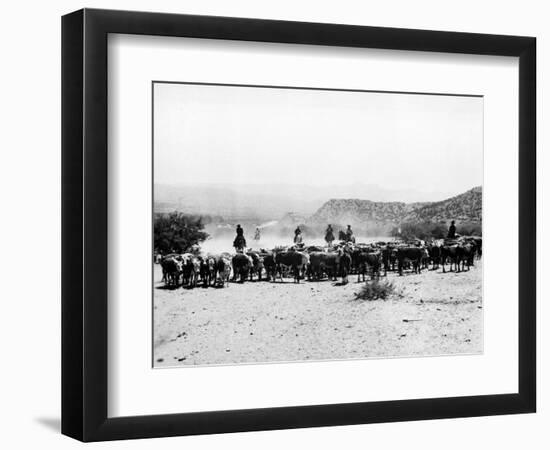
(30, 229)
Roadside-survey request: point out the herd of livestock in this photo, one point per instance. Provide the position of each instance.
(316, 263)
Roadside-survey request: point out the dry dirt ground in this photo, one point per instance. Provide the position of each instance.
(254, 322)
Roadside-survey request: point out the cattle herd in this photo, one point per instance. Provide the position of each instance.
(316, 263)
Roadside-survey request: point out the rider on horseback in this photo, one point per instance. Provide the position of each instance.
(329, 235)
(349, 235)
(240, 242)
(297, 236)
(452, 231)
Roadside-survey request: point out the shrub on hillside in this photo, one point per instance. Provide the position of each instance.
(469, 229)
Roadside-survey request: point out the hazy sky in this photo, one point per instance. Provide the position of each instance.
(248, 135)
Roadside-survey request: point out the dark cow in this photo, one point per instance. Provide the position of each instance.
(270, 266)
(296, 261)
(412, 254)
(364, 260)
(315, 266)
(435, 255)
(175, 256)
(242, 264)
(203, 271)
(467, 253)
(451, 253)
(389, 258)
(479, 241)
(331, 264)
(476, 241)
(374, 264)
(322, 263)
(357, 259)
(171, 271)
(344, 265)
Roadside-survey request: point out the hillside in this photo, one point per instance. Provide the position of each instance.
(465, 207)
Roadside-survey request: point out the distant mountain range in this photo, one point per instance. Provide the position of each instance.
(466, 207)
(271, 202)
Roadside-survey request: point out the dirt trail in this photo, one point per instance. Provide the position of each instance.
(257, 322)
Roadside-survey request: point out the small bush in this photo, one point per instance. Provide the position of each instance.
(422, 230)
(469, 229)
(374, 290)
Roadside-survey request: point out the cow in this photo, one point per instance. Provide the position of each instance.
(176, 256)
(270, 266)
(171, 270)
(242, 264)
(208, 270)
(373, 262)
(412, 254)
(357, 259)
(164, 278)
(315, 266)
(296, 261)
(467, 253)
(425, 260)
(344, 264)
(476, 241)
(451, 252)
(196, 262)
(479, 241)
(191, 269)
(434, 251)
(223, 268)
(322, 263)
(365, 259)
(389, 258)
(257, 264)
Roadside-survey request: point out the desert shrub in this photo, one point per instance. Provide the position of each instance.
(438, 231)
(177, 232)
(374, 290)
(469, 229)
(421, 230)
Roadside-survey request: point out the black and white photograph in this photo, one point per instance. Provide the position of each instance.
(298, 224)
(275, 225)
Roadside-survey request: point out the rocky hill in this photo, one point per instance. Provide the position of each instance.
(465, 207)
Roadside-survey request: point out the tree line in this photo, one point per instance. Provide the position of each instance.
(433, 230)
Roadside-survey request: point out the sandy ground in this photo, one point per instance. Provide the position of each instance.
(436, 314)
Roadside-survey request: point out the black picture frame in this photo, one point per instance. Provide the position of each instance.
(84, 224)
